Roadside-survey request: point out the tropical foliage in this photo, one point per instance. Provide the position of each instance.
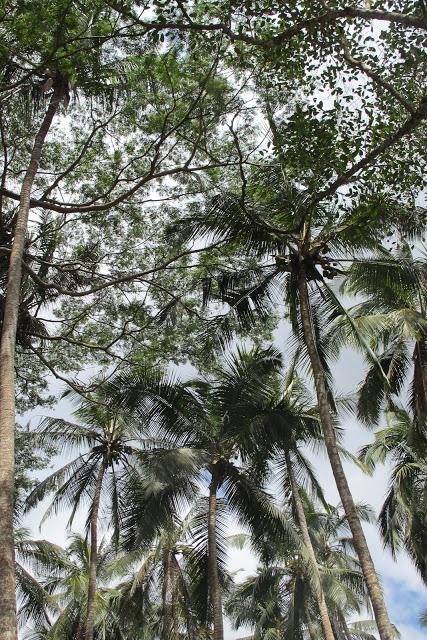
(208, 212)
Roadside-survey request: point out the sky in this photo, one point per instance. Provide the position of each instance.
(406, 596)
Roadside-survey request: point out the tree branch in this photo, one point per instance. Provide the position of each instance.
(126, 278)
(84, 208)
(407, 127)
(376, 78)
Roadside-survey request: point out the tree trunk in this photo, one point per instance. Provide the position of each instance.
(174, 598)
(91, 590)
(420, 381)
(347, 632)
(169, 597)
(362, 550)
(310, 627)
(7, 379)
(302, 522)
(213, 577)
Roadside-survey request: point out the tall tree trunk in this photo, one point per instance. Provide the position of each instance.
(213, 577)
(360, 544)
(169, 596)
(420, 381)
(7, 379)
(174, 569)
(302, 522)
(310, 627)
(91, 590)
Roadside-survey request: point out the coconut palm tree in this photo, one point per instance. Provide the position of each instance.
(149, 593)
(311, 242)
(166, 594)
(403, 516)
(110, 450)
(393, 320)
(64, 575)
(290, 425)
(281, 600)
(220, 419)
(36, 603)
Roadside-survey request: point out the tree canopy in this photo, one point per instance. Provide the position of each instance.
(236, 189)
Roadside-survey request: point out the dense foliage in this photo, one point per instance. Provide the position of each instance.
(203, 207)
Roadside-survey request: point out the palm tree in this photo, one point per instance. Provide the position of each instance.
(290, 425)
(393, 319)
(219, 419)
(166, 594)
(36, 603)
(63, 576)
(110, 449)
(308, 240)
(403, 516)
(281, 600)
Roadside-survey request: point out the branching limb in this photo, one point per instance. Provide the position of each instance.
(377, 79)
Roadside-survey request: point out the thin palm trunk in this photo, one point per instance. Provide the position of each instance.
(169, 597)
(420, 380)
(165, 592)
(174, 598)
(7, 378)
(347, 632)
(93, 563)
(360, 544)
(310, 627)
(213, 576)
(302, 522)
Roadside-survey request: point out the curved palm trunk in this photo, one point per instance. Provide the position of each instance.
(213, 577)
(91, 591)
(7, 379)
(360, 544)
(302, 522)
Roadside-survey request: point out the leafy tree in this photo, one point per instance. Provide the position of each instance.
(162, 88)
(161, 123)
